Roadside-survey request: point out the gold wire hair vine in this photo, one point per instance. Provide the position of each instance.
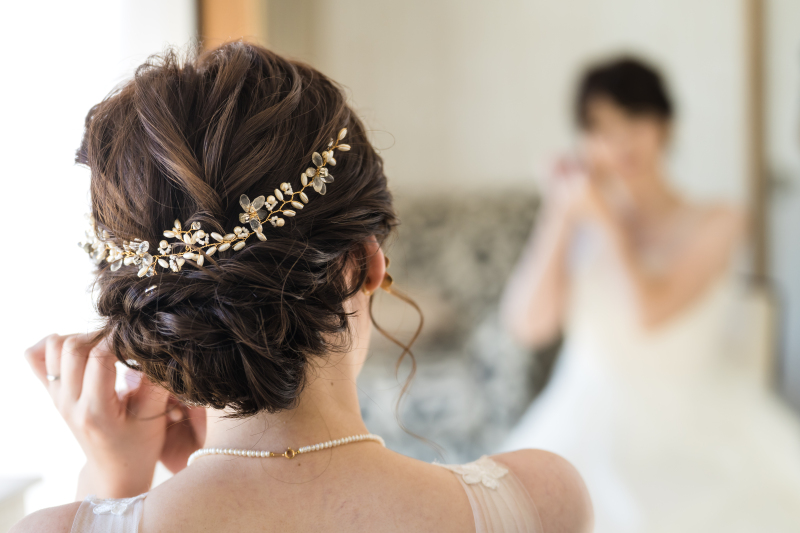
(197, 244)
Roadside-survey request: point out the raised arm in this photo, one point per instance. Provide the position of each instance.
(534, 299)
(123, 436)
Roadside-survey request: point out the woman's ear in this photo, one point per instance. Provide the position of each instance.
(376, 266)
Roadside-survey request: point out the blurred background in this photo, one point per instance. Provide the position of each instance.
(466, 101)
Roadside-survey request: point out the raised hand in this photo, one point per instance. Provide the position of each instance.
(186, 430)
(122, 437)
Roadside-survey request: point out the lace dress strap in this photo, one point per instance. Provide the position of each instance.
(96, 515)
(499, 501)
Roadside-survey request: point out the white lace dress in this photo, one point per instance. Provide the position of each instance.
(664, 426)
(499, 501)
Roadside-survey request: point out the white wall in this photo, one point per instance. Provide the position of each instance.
(470, 93)
(61, 58)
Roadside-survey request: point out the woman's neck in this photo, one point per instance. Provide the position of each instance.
(652, 199)
(328, 409)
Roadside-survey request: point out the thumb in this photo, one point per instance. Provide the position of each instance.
(130, 383)
(148, 400)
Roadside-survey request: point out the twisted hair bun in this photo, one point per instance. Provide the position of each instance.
(185, 138)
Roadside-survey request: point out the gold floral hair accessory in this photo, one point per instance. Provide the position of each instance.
(194, 244)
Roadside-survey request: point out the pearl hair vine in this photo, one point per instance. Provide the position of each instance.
(196, 245)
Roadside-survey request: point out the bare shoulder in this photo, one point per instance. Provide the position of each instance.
(51, 520)
(724, 219)
(556, 488)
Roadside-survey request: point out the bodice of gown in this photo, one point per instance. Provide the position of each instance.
(667, 391)
(667, 426)
(604, 325)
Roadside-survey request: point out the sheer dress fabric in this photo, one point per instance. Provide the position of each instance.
(499, 501)
(97, 515)
(500, 504)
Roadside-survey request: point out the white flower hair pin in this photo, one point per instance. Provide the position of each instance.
(195, 244)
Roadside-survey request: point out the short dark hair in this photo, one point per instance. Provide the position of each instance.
(630, 83)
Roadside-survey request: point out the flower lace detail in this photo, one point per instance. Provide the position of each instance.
(113, 506)
(484, 471)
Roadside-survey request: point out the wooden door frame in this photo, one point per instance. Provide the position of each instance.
(219, 21)
(757, 174)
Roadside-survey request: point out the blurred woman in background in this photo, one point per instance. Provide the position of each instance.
(668, 432)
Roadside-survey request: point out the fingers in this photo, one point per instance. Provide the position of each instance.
(99, 378)
(186, 432)
(52, 356)
(35, 355)
(175, 413)
(132, 379)
(74, 357)
(148, 401)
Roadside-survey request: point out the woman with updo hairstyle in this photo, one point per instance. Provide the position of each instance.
(652, 398)
(238, 214)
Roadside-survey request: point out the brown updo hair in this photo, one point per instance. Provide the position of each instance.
(185, 138)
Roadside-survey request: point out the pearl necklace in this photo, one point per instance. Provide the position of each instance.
(289, 453)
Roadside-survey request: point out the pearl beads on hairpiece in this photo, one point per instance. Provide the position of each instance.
(196, 245)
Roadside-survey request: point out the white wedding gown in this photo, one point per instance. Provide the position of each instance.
(666, 427)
